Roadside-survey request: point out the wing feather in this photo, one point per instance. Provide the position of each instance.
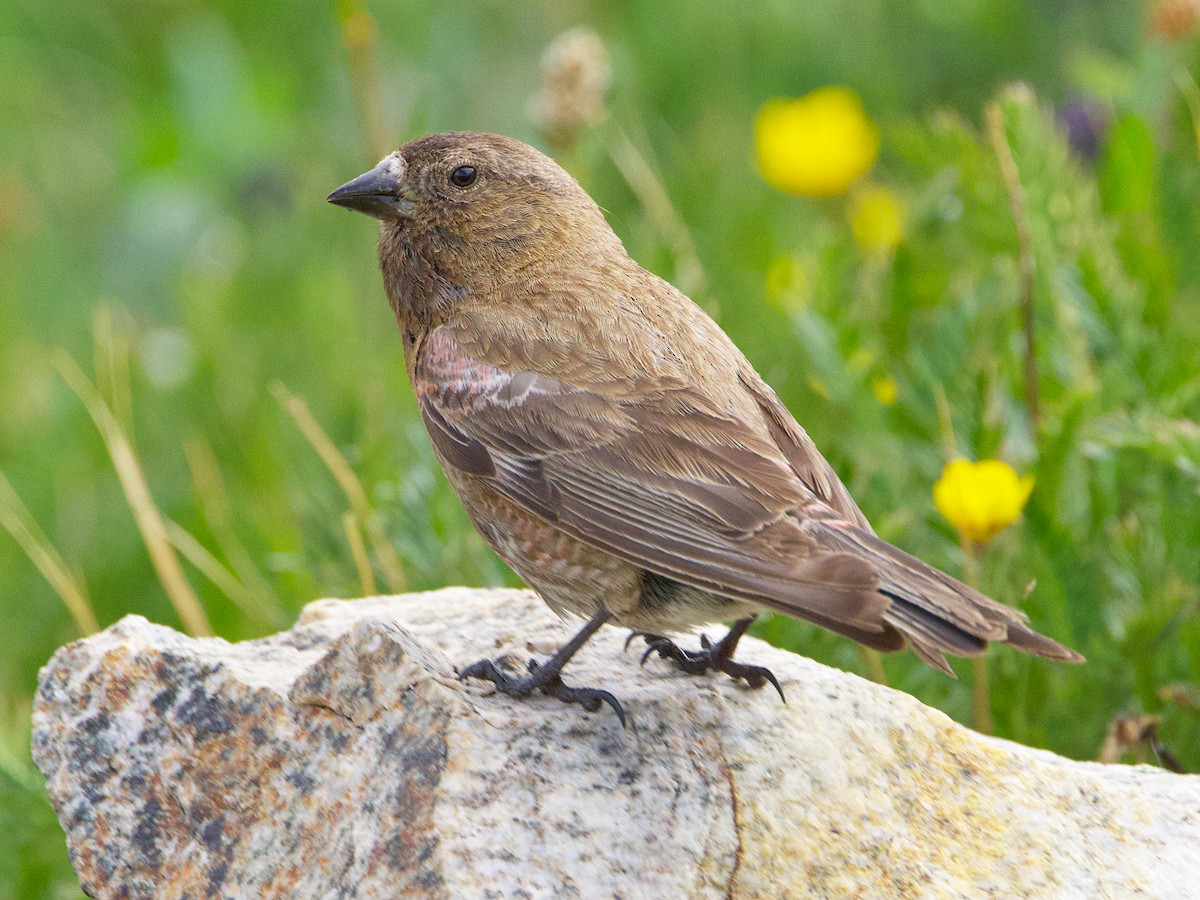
(660, 481)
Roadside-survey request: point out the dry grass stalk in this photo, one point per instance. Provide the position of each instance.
(110, 351)
(639, 174)
(149, 520)
(218, 515)
(343, 474)
(19, 522)
(358, 550)
(212, 569)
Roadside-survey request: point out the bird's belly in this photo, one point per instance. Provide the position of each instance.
(572, 577)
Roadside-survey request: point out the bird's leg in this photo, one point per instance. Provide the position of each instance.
(717, 656)
(547, 677)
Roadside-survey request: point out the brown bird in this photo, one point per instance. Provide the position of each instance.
(612, 444)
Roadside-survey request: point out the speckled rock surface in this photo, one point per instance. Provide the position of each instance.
(342, 758)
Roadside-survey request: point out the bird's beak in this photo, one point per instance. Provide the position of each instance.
(379, 193)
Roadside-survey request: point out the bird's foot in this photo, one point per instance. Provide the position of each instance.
(546, 679)
(710, 656)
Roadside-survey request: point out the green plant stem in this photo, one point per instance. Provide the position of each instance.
(981, 699)
(359, 38)
(874, 662)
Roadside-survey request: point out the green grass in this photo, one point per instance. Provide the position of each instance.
(163, 169)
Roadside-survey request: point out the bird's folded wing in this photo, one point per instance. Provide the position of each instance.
(801, 453)
(659, 480)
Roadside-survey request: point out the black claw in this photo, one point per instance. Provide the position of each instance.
(755, 676)
(589, 698)
(718, 656)
(549, 683)
(633, 635)
(661, 646)
(668, 649)
(485, 669)
(547, 677)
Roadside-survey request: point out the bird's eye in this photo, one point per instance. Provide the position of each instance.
(464, 176)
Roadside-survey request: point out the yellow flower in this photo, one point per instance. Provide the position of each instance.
(885, 389)
(816, 145)
(788, 285)
(861, 361)
(781, 276)
(877, 219)
(818, 387)
(981, 498)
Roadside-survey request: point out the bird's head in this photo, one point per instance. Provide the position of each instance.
(475, 207)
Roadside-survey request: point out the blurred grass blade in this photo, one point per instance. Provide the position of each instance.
(348, 481)
(199, 556)
(873, 660)
(218, 515)
(1011, 177)
(111, 355)
(945, 423)
(981, 699)
(137, 492)
(1191, 95)
(648, 188)
(15, 730)
(19, 522)
(359, 551)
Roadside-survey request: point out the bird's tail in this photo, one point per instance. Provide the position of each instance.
(939, 614)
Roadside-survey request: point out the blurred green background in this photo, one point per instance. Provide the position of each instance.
(163, 169)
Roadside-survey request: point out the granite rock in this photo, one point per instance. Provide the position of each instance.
(342, 758)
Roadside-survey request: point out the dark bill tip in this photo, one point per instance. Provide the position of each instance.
(376, 193)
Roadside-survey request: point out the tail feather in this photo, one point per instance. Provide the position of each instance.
(1025, 638)
(922, 626)
(887, 639)
(931, 589)
(939, 614)
(933, 658)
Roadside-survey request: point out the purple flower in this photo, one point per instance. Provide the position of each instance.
(1086, 124)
